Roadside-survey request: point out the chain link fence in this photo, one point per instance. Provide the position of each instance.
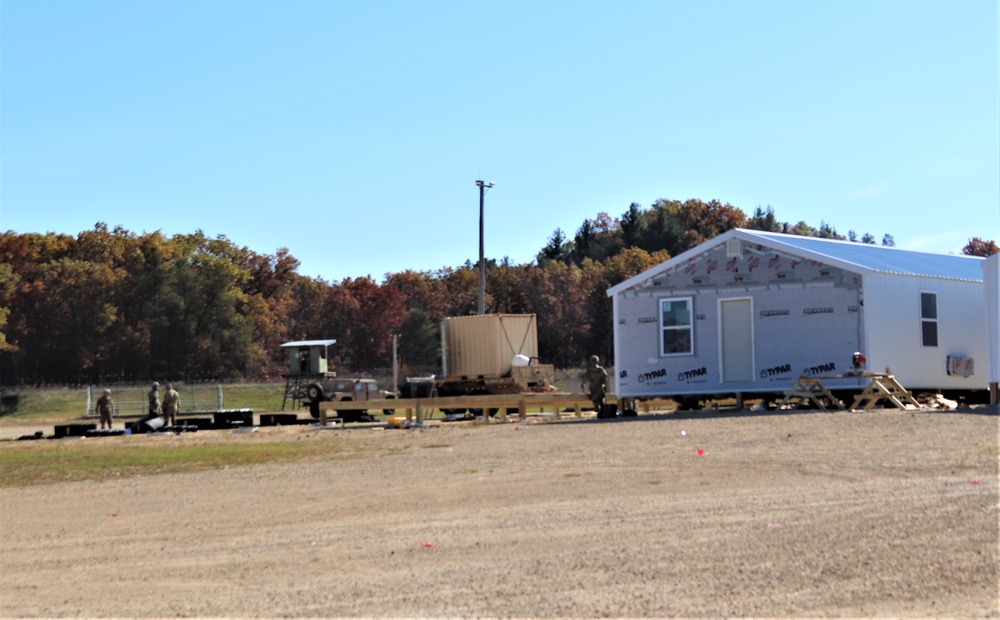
(134, 400)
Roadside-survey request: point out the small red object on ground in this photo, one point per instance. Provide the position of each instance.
(700, 452)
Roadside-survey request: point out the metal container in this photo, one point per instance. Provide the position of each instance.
(484, 346)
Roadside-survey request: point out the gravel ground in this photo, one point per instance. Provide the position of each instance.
(771, 515)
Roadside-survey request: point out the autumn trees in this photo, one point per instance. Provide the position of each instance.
(980, 247)
(112, 305)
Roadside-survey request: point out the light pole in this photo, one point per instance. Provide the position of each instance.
(483, 186)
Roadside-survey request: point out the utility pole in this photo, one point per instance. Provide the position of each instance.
(395, 365)
(483, 186)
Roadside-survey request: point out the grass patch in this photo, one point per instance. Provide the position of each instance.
(256, 396)
(40, 404)
(47, 462)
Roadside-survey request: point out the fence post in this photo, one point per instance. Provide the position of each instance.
(87, 412)
(220, 397)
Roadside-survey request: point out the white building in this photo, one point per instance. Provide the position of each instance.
(750, 311)
(991, 280)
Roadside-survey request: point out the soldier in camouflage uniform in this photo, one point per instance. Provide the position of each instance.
(171, 405)
(595, 381)
(105, 408)
(154, 400)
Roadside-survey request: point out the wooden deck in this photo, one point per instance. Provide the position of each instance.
(417, 408)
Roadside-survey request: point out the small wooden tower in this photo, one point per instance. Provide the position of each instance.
(307, 363)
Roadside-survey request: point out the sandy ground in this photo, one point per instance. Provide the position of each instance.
(779, 515)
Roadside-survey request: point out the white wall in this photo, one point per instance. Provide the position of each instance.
(991, 279)
(893, 330)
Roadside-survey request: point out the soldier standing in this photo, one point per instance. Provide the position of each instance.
(595, 381)
(171, 404)
(154, 400)
(105, 408)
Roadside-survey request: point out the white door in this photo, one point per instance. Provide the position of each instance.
(737, 339)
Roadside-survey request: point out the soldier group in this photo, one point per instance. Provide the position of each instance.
(105, 406)
(171, 403)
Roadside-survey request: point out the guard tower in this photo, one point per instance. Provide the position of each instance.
(307, 363)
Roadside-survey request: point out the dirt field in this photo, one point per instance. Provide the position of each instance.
(777, 515)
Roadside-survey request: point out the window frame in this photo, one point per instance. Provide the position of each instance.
(928, 321)
(689, 300)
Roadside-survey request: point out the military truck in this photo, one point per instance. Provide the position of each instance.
(486, 354)
(339, 389)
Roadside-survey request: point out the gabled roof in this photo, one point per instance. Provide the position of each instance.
(861, 258)
(309, 343)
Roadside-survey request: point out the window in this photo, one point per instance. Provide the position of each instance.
(929, 319)
(676, 326)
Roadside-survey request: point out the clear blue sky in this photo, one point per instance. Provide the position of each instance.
(352, 133)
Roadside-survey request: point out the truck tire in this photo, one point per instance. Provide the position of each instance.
(355, 415)
(315, 395)
(351, 415)
(315, 392)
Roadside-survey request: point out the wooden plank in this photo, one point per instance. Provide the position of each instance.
(486, 402)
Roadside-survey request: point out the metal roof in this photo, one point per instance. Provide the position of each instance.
(309, 343)
(874, 258)
(849, 255)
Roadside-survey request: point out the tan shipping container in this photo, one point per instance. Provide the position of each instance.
(485, 345)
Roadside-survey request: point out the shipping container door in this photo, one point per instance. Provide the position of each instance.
(736, 316)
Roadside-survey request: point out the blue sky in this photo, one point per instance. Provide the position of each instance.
(352, 133)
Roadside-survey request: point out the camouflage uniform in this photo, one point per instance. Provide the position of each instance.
(105, 408)
(154, 400)
(595, 381)
(171, 404)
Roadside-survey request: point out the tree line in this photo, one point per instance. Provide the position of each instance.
(110, 305)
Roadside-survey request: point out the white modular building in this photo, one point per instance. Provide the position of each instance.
(991, 280)
(750, 311)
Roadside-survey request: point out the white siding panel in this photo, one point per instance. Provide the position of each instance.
(991, 277)
(893, 336)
